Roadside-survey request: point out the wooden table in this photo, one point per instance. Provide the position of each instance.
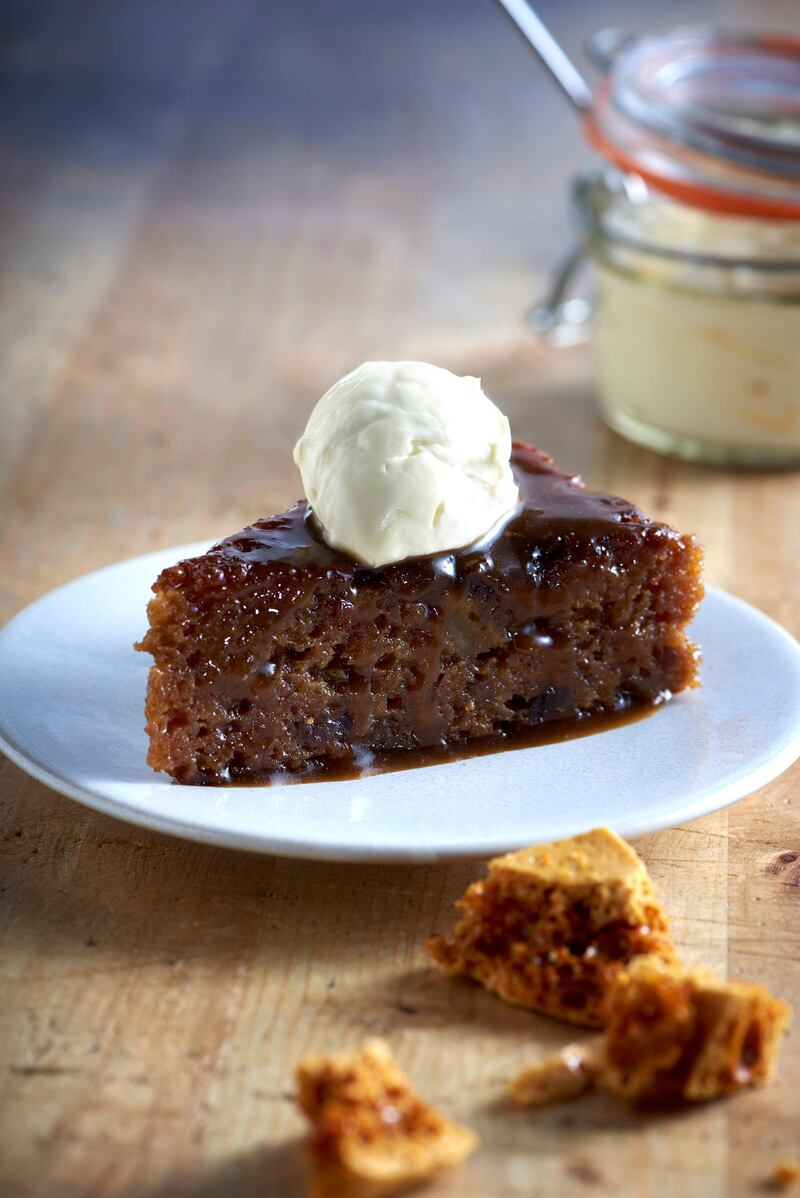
(208, 213)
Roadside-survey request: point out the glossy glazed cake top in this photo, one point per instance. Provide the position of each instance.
(555, 509)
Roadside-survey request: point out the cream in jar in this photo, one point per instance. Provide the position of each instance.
(697, 325)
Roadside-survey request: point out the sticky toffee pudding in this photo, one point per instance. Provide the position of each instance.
(275, 652)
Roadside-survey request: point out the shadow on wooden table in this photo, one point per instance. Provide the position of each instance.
(90, 888)
(99, 896)
(274, 1172)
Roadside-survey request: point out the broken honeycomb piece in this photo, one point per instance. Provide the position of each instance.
(673, 1032)
(371, 1135)
(551, 925)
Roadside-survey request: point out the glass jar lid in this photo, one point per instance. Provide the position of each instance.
(709, 117)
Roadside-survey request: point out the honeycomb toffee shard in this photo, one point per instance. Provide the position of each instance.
(678, 1033)
(370, 1133)
(550, 926)
(672, 1034)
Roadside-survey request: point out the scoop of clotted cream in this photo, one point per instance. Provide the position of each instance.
(401, 459)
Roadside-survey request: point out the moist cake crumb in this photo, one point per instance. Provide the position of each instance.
(371, 1135)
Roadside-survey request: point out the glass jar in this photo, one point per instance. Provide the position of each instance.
(697, 324)
(694, 237)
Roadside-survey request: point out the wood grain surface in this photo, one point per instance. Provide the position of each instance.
(207, 213)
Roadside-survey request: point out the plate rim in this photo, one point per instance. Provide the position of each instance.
(745, 783)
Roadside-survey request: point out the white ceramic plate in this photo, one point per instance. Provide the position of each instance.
(71, 714)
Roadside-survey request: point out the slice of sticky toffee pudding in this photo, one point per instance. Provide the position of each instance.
(274, 651)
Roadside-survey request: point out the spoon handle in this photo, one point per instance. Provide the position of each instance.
(562, 68)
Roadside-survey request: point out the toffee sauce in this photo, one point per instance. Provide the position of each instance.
(365, 763)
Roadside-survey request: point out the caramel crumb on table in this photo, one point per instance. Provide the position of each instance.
(785, 1175)
(371, 1135)
(563, 1077)
(552, 925)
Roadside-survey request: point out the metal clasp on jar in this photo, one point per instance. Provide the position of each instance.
(562, 318)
